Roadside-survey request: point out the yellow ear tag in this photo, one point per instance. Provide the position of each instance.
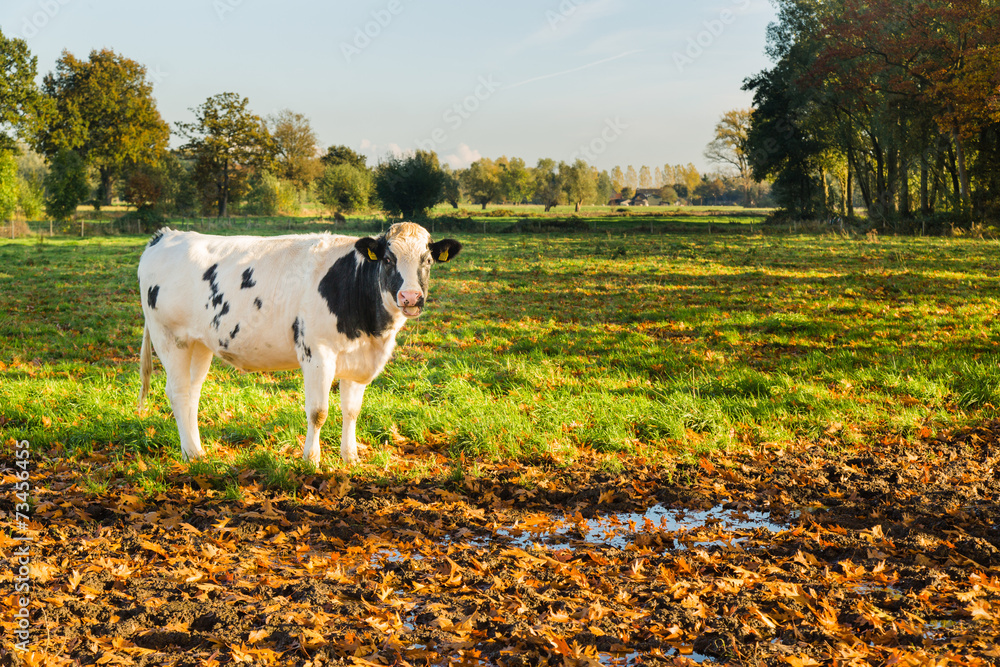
(443, 256)
(372, 256)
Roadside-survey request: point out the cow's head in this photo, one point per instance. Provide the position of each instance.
(404, 255)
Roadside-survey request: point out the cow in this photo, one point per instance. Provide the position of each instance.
(330, 305)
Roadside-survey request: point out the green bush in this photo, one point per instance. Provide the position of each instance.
(345, 187)
(270, 195)
(8, 186)
(66, 185)
(30, 198)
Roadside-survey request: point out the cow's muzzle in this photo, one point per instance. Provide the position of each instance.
(411, 303)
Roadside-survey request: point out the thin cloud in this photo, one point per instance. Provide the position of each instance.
(575, 69)
(567, 18)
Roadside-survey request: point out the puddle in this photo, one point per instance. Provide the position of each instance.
(701, 528)
(635, 658)
(886, 590)
(938, 629)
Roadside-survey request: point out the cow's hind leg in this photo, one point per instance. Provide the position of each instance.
(351, 396)
(317, 378)
(177, 358)
(201, 361)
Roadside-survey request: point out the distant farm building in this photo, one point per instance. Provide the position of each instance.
(642, 197)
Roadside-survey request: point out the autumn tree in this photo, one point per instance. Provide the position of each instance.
(579, 182)
(229, 143)
(548, 180)
(730, 147)
(19, 96)
(940, 58)
(631, 178)
(618, 178)
(482, 182)
(604, 188)
(515, 180)
(103, 110)
(688, 176)
(295, 147)
(865, 93)
(645, 177)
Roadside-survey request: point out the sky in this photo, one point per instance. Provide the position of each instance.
(613, 82)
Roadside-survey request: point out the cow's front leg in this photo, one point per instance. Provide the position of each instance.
(351, 396)
(317, 378)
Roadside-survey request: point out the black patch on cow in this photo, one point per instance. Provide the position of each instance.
(248, 280)
(389, 277)
(299, 336)
(217, 320)
(224, 344)
(210, 275)
(216, 297)
(236, 330)
(151, 295)
(257, 302)
(353, 295)
(157, 237)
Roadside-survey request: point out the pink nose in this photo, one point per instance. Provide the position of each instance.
(406, 299)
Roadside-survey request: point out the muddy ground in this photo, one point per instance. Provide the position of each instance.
(886, 554)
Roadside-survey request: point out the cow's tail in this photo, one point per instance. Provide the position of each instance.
(145, 365)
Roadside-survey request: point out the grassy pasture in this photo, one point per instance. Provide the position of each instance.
(542, 345)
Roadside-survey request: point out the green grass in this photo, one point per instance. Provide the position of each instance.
(536, 345)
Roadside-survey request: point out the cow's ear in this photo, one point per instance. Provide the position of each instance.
(371, 249)
(445, 249)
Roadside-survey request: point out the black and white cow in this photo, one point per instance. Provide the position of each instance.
(331, 305)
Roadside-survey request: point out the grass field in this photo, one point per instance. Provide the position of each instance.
(537, 345)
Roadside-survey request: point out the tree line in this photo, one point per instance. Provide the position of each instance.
(91, 133)
(886, 105)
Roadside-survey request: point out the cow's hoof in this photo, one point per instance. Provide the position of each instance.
(191, 456)
(353, 457)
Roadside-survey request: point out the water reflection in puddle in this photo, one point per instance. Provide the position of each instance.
(702, 528)
(628, 659)
(680, 528)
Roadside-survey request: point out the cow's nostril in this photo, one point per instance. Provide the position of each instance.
(408, 298)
